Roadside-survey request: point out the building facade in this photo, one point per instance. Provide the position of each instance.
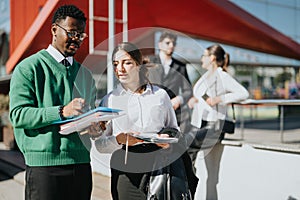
(272, 76)
(264, 75)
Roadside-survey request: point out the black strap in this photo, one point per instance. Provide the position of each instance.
(233, 113)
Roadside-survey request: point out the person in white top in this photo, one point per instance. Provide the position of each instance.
(212, 93)
(148, 111)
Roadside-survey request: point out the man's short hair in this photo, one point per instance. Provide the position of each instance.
(167, 34)
(68, 11)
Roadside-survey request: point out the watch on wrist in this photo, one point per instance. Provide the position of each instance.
(60, 112)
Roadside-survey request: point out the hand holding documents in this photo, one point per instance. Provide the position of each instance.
(83, 121)
(154, 138)
(159, 137)
(150, 138)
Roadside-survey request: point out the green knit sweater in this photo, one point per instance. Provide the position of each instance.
(38, 86)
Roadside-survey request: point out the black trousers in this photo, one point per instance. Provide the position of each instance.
(63, 182)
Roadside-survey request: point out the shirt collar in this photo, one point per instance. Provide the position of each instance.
(148, 89)
(165, 62)
(121, 90)
(219, 69)
(57, 55)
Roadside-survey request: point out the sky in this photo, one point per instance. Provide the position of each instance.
(284, 16)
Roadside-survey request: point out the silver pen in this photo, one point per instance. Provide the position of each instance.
(126, 148)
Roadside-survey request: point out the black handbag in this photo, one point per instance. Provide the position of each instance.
(229, 126)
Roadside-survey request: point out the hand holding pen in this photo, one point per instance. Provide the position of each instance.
(128, 140)
(124, 138)
(76, 107)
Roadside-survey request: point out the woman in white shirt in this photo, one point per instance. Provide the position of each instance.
(148, 110)
(212, 92)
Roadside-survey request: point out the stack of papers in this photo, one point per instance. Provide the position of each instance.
(154, 138)
(150, 138)
(84, 121)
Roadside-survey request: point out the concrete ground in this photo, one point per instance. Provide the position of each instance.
(256, 164)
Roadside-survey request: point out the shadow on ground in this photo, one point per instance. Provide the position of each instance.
(11, 163)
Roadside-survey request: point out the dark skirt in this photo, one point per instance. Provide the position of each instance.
(145, 163)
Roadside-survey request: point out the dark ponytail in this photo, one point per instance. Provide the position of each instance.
(222, 58)
(226, 62)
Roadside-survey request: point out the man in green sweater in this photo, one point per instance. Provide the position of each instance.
(49, 86)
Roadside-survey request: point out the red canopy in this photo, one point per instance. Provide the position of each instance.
(215, 20)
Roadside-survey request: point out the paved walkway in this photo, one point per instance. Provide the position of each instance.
(13, 189)
(13, 181)
(253, 143)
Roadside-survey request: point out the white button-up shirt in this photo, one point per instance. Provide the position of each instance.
(166, 64)
(57, 55)
(221, 84)
(148, 112)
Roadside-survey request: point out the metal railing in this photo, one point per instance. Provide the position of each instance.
(279, 102)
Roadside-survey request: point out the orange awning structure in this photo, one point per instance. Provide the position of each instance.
(34, 30)
(214, 20)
